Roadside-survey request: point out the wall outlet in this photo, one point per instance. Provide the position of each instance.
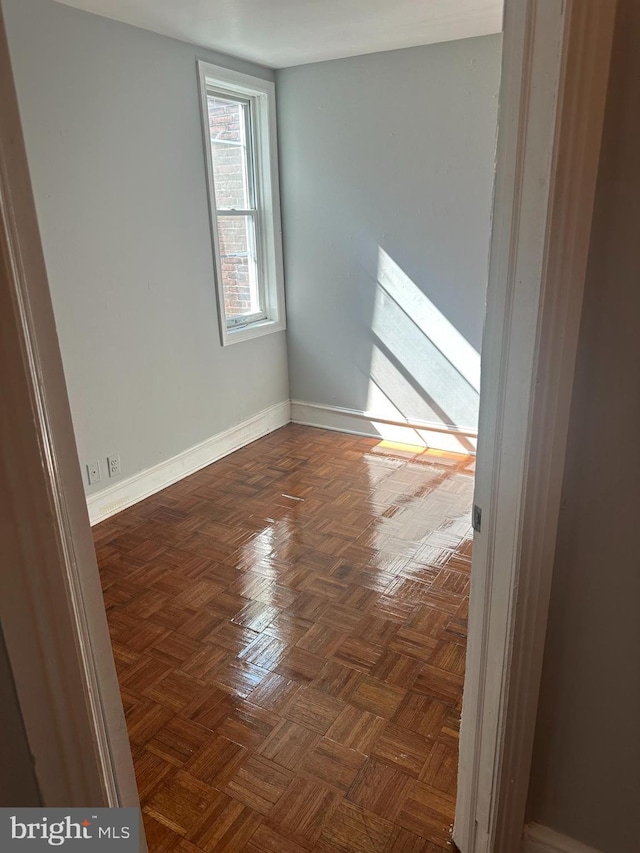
(93, 472)
(113, 463)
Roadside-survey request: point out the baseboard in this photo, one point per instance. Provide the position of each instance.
(421, 433)
(541, 839)
(115, 498)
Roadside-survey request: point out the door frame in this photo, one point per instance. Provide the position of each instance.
(554, 79)
(555, 68)
(51, 605)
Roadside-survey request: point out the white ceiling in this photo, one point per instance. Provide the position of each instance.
(280, 33)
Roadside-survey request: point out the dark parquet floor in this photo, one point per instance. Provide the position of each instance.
(289, 628)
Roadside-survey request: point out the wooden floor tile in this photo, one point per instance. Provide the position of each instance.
(441, 768)
(377, 630)
(393, 609)
(358, 653)
(205, 662)
(259, 783)
(429, 620)
(443, 685)
(421, 714)
(215, 762)
(212, 708)
(145, 719)
(413, 591)
(309, 605)
(264, 652)
(255, 616)
(176, 690)
(248, 725)
(353, 829)
(337, 680)
(181, 803)
(357, 729)
(402, 748)
(151, 771)
(239, 677)
(408, 842)
(381, 789)
(227, 827)
(428, 813)
(140, 673)
(343, 618)
(327, 587)
(274, 692)
(413, 643)
(332, 764)
(178, 740)
(396, 669)
(289, 629)
(449, 656)
(185, 846)
(160, 838)
(174, 649)
(321, 640)
(303, 810)
(300, 665)
(288, 744)
(313, 709)
(235, 639)
(377, 697)
(267, 840)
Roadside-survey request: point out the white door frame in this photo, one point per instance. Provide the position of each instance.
(51, 604)
(555, 73)
(556, 55)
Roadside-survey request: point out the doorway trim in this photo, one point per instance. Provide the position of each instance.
(555, 73)
(51, 604)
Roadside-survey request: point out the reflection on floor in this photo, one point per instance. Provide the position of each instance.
(289, 628)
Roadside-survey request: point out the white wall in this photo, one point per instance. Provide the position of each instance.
(113, 135)
(585, 779)
(387, 164)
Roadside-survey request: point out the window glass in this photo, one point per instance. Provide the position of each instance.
(228, 130)
(239, 267)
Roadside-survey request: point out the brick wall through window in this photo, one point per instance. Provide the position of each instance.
(234, 232)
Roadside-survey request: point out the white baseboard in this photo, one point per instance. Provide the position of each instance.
(115, 498)
(541, 839)
(421, 433)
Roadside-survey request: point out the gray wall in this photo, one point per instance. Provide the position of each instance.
(113, 135)
(586, 772)
(395, 152)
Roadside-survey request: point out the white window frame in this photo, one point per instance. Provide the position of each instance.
(260, 94)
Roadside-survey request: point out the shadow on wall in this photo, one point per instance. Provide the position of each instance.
(419, 361)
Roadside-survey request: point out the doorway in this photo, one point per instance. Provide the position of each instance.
(519, 31)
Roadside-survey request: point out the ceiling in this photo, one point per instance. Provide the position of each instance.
(281, 33)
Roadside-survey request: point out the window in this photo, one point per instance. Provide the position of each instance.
(240, 147)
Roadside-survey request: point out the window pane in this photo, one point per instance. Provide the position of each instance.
(228, 125)
(238, 262)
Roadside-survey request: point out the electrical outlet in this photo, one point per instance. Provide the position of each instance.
(113, 463)
(93, 472)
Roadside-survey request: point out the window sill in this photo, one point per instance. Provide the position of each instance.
(253, 330)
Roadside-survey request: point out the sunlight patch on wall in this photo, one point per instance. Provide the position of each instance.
(432, 322)
(418, 356)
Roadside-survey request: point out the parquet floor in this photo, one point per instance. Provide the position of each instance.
(289, 629)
